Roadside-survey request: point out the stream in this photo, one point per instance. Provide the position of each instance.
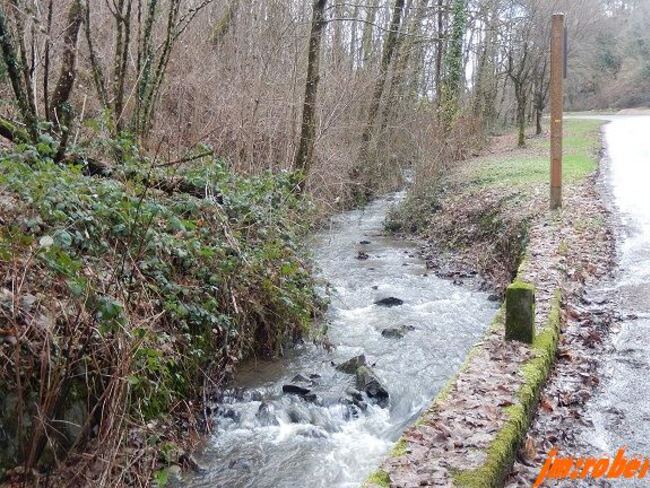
(335, 436)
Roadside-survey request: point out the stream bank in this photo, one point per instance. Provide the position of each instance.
(473, 432)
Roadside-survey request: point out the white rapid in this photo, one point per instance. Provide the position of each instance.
(267, 439)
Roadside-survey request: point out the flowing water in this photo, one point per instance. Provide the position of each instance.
(267, 439)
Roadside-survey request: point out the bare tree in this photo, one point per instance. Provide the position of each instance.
(18, 83)
(60, 111)
(390, 44)
(305, 154)
(453, 81)
(22, 78)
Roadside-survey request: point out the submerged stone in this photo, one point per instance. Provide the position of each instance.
(312, 398)
(313, 432)
(253, 396)
(397, 332)
(295, 390)
(229, 413)
(300, 378)
(266, 415)
(240, 465)
(356, 398)
(389, 302)
(367, 381)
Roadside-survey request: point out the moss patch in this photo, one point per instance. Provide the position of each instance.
(378, 479)
(399, 449)
(520, 312)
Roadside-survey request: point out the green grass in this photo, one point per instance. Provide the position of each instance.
(531, 166)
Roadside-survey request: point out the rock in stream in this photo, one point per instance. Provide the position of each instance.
(389, 302)
(367, 380)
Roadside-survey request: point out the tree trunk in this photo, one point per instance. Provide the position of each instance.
(337, 34)
(521, 119)
(46, 61)
(68, 72)
(353, 37)
(403, 78)
(15, 76)
(439, 51)
(122, 42)
(541, 91)
(98, 74)
(484, 98)
(305, 154)
(225, 23)
(453, 80)
(387, 56)
(367, 43)
(24, 60)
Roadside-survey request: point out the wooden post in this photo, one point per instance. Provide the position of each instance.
(557, 107)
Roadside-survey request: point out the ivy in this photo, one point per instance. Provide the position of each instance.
(191, 284)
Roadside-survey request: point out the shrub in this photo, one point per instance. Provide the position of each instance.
(123, 301)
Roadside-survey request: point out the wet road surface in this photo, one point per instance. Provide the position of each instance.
(620, 410)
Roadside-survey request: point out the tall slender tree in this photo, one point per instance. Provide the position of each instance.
(390, 44)
(305, 154)
(454, 74)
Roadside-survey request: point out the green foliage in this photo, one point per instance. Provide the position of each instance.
(379, 479)
(161, 478)
(191, 283)
(400, 448)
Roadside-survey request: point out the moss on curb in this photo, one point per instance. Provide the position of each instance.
(378, 479)
(501, 453)
(520, 312)
(400, 448)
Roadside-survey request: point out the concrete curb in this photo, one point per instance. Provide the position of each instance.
(501, 453)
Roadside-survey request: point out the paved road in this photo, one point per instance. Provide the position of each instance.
(621, 409)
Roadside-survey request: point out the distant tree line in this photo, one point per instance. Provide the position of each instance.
(346, 92)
